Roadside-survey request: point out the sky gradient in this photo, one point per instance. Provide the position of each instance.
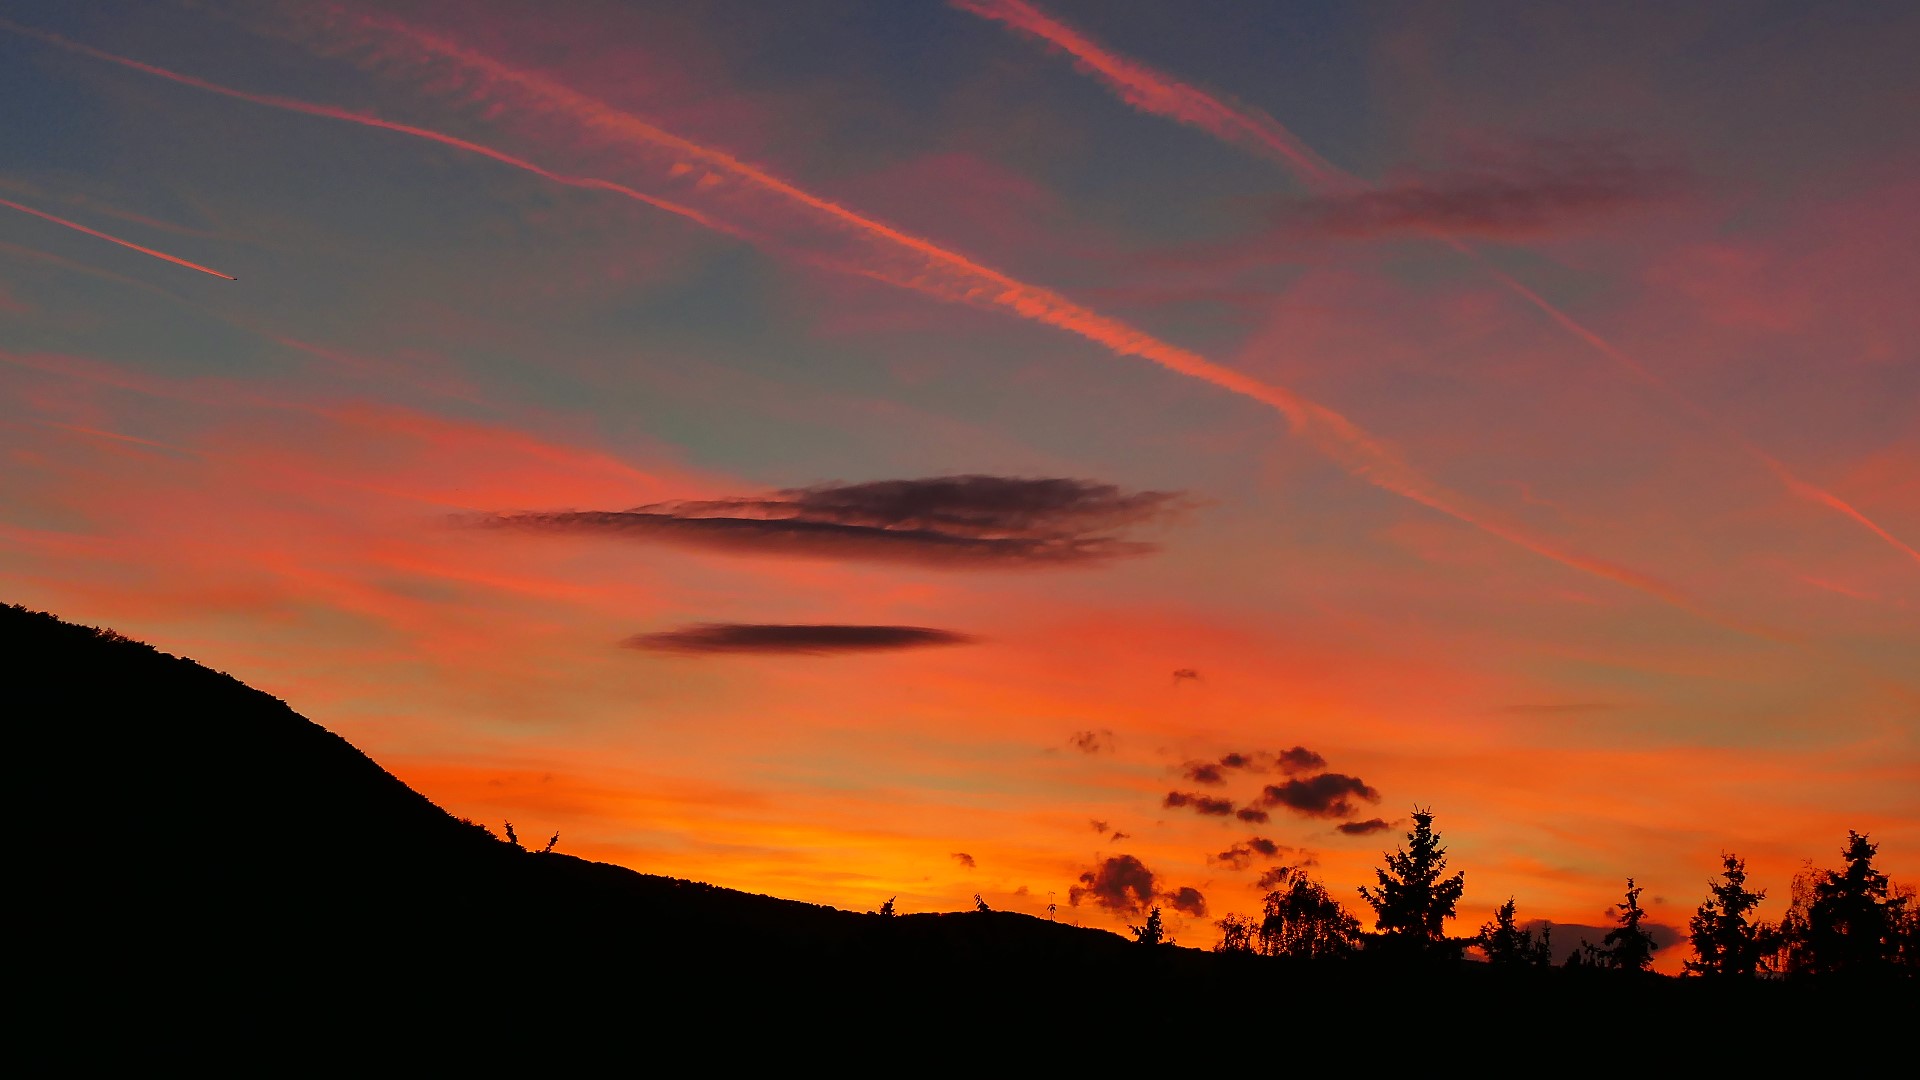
(1091, 453)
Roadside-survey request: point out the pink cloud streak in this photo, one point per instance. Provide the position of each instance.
(1159, 94)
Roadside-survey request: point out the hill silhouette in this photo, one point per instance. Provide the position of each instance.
(196, 849)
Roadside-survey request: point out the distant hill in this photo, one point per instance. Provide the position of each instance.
(194, 847)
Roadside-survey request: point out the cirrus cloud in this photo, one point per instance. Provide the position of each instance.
(951, 522)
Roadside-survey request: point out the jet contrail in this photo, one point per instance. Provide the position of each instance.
(116, 240)
(910, 262)
(1153, 92)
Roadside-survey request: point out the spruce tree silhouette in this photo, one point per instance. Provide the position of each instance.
(1414, 901)
(1849, 922)
(1153, 933)
(1726, 943)
(1627, 947)
(1508, 945)
(1303, 920)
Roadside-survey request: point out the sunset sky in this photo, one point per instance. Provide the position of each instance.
(1091, 453)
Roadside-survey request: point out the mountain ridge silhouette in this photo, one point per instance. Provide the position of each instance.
(202, 851)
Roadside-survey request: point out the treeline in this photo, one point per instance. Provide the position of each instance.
(1850, 922)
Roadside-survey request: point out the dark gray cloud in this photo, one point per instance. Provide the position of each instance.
(1252, 816)
(1299, 759)
(1121, 883)
(1204, 772)
(1091, 742)
(1526, 188)
(1187, 900)
(703, 639)
(963, 859)
(1241, 855)
(1364, 828)
(1098, 825)
(1325, 795)
(1201, 804)
(958, 522)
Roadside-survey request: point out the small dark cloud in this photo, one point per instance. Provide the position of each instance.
(1252, 816)
(1121, 884)
(1325, 795)
(1119, 836)
(1527, 188)
(1204, 772)
(1091, 742)
(1098, 825)
(963, 859)
(1201, 804)
(1241, 855)
(1567, 937)
(703, 639)
(1299, 759)
(1364, 828)
(956, 522)
(1187, 900)
(1186, 673)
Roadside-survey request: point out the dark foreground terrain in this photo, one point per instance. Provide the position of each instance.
(206, 871)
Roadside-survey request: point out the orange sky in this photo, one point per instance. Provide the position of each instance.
(1545, 457)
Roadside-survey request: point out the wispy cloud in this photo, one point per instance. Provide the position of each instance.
(760, 204)
(1530, 188)
(1159, 94)
(957, 522)
(705, 639)
(174, 259)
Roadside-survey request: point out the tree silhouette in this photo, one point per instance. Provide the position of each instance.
(1508, 945)
(1845, 922)
(1414, 901)
(1726, 943)
(980, 905)
(886, 909)
(1627, 947)
(1152, 933)
(1236, 934)
(1303, 920)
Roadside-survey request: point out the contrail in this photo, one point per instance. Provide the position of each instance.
(1159, 94)
(175, 259)
(906, 261)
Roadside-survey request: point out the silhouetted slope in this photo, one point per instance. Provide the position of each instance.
(196, 855)
(204, 826)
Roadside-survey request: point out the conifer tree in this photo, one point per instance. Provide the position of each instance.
(1414, 901)
(1627, 947)
(1848, 921)
(1507, 944)
(1725, 941)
